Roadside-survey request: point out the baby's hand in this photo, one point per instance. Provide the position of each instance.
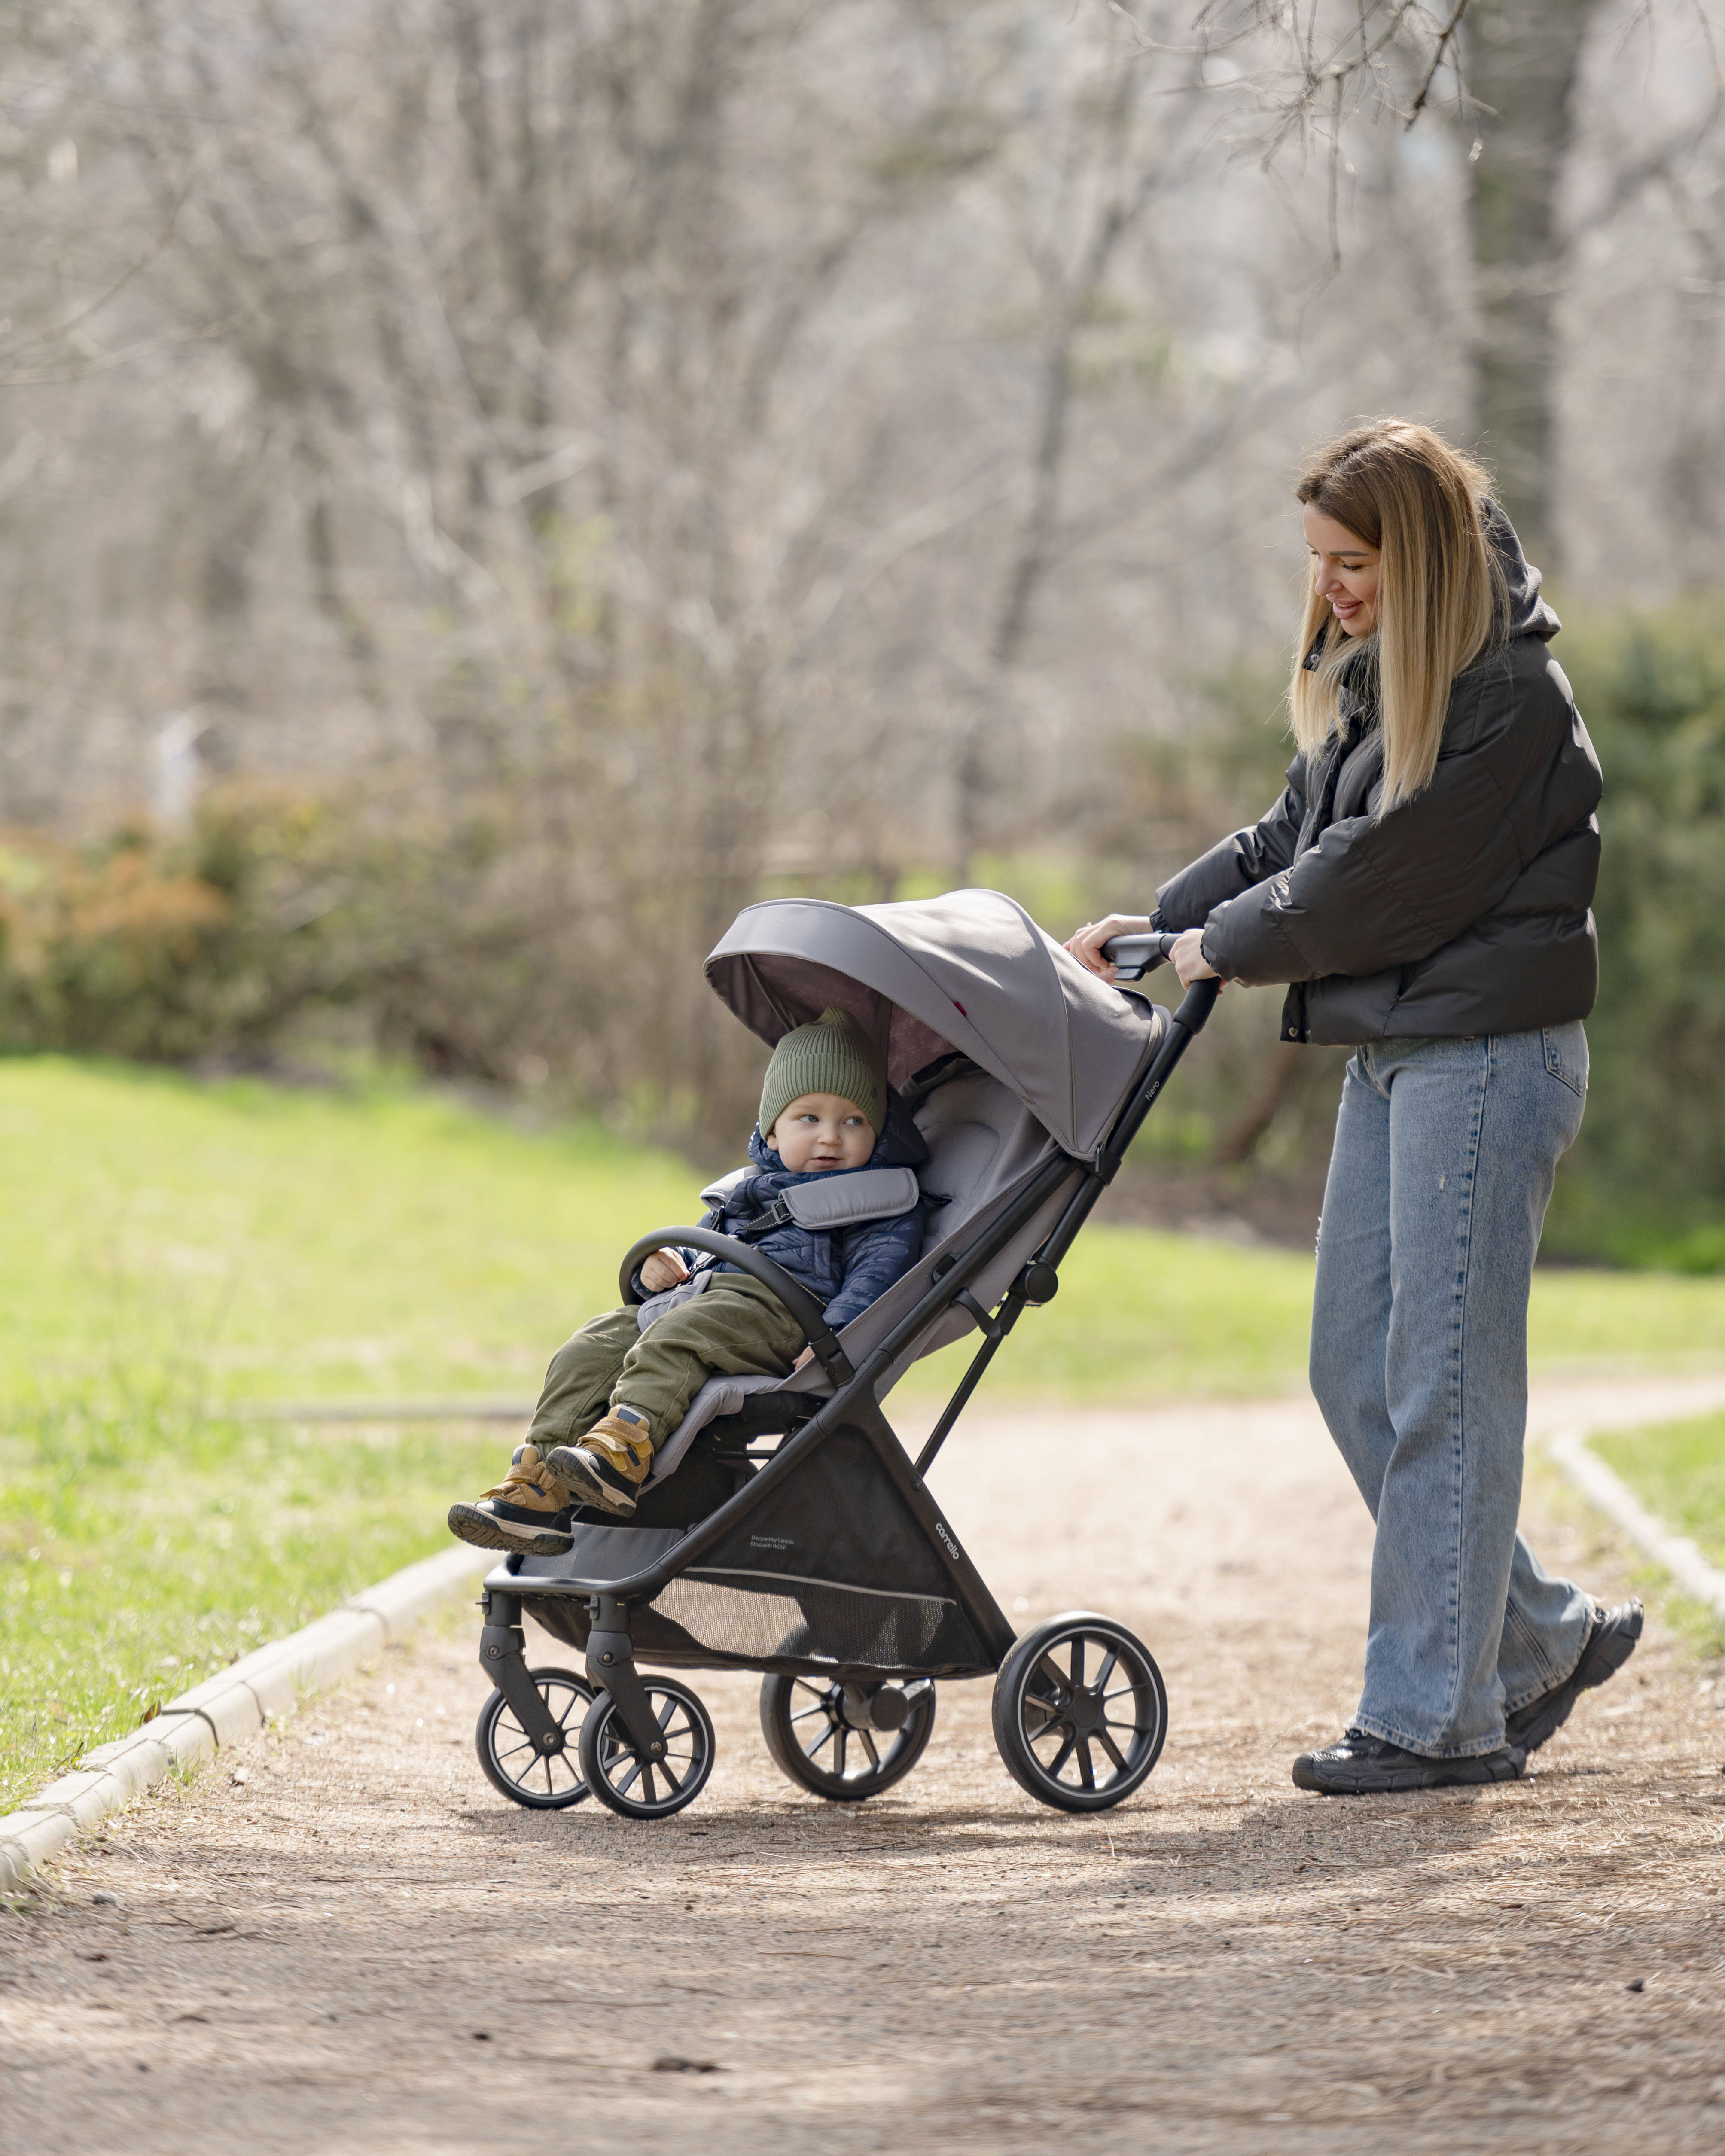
(663, 1269)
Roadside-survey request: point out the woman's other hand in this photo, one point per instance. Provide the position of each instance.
(1188, 960)
(663, 1270)
(1086, 946)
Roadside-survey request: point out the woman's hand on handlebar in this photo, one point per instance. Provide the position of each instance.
(663, 1270)
(1189, 960)
(1086, 946)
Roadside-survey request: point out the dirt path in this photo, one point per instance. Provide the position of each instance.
(360, 1949)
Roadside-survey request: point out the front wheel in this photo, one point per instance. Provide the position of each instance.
(1080, 1713)
(514, 1764)
(845, 1741)
(637, 1784)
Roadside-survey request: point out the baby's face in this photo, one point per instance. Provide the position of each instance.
(820, 1130)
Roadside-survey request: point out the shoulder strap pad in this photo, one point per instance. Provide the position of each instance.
(842, 1201)
(717, 1195)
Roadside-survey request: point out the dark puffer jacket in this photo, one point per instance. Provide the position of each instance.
(848, 1268)
(1464, 911)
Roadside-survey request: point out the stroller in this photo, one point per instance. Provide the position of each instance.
(784, 1528)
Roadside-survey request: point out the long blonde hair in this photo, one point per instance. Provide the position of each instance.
(1400, 488)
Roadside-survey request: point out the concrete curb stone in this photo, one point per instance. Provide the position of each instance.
(1701, 1580)
(234, 1704)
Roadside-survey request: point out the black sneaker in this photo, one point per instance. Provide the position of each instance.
(1609, 1644)
(1357, 1765)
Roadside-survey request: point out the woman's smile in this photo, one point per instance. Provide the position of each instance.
(1344, 572)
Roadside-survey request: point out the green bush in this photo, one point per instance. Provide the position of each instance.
(275, 906)
(1646, 1183)
(167, 951)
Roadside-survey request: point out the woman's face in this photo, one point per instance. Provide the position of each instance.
(1344, 571)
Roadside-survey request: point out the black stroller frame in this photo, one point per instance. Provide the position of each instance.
(1080, 1708)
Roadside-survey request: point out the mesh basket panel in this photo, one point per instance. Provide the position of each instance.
(786, 1624)
(806, 1619)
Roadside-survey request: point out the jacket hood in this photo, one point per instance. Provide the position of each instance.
(900, 1145)
(1526, 614)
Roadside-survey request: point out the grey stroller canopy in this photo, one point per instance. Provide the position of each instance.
(970, 972)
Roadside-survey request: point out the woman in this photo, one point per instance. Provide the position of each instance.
(1422, 887)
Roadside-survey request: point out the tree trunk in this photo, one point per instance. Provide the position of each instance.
(1521, 66)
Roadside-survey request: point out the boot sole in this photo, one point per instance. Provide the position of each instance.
(1381, 1781)
(468, 1524)
(586, 1488)
(1602, 1658)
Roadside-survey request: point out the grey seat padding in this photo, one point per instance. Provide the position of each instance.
(846, 1201)
(984, 1144)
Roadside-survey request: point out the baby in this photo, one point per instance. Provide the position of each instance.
(616, 1391)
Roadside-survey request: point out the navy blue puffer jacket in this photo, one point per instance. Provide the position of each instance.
(846, 1267)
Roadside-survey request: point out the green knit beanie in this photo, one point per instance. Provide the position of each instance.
(831, 1055)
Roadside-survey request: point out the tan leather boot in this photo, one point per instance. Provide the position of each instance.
(528, 1511)
(609, 1464)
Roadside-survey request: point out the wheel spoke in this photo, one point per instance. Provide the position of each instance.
(1087, 1771)
(833, 1729)
(1056, 1677)
(821, 1709)
(1107, 1670)
(1053, 1768)
(647, 1789)
(868, 1746)
(628, 1783)
(842, 1733)
(673, 1781)
(522, 1747)
(1111, 1748)
(1078, 1662)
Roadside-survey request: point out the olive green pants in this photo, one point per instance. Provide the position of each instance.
(737, 1327)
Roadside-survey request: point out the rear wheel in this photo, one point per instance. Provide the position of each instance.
(1080, 1713)
(514, 1764)
(845, 1741)
(629, 1780)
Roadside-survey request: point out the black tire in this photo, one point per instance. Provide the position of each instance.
(615, 1771)
(803, 1718)
(513, 1763)
(1052, 1717)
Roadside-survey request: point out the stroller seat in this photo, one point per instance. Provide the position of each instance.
(967, 1122)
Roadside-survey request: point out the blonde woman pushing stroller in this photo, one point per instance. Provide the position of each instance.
(1422, 888)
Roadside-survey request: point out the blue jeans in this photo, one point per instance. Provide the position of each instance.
(1446, 1152)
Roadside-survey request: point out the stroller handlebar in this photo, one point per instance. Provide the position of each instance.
(1135, 955)
(807, 1313)
(1132, 956)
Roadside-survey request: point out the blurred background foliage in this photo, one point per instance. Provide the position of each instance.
(487, 492)
(319, 938)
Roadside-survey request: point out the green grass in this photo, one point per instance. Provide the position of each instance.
(172, 1250)
(140, 1554)
(1678, 1472)
(250, 1241)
